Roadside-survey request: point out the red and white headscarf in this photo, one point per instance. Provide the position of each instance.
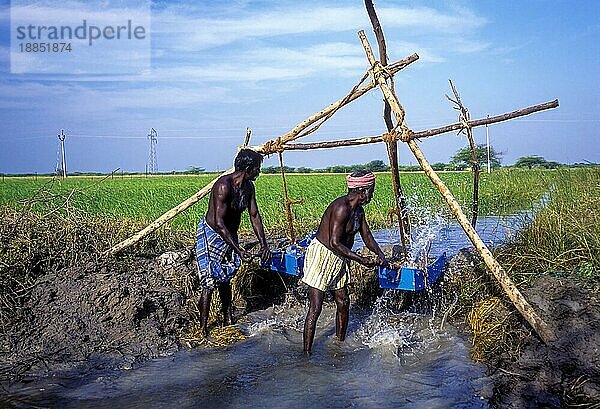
(360, 181)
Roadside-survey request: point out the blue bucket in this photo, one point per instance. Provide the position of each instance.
(412, 279)
(289, 261)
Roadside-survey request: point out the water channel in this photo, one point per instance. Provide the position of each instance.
(389, 359)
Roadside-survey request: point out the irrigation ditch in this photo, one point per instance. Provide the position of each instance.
(67, 309)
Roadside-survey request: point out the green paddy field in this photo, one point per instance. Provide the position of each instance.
(143, 199)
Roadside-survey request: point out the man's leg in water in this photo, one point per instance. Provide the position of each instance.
(342, 301)
(315, 297)
(225, 294)
(205, 309)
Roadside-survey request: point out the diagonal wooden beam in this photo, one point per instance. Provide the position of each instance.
(400, 207)
(296, 132)
(498, 272)
(379, 75)
(156, 224)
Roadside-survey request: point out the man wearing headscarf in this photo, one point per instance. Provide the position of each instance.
(328, 255)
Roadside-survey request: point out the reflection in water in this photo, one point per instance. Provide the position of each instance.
(389, 359)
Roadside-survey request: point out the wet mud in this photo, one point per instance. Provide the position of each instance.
(566, 372)
(119, 315)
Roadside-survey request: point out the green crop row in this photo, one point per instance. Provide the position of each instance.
(144, 199)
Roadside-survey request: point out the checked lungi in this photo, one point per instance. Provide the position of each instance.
(217, 262)
(323, 269)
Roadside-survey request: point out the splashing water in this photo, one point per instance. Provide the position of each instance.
(392, 358)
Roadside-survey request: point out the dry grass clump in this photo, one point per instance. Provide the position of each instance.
(575, 395)
(488, 322)
(217, 337)
(252, 288)
(563, 239)
(364, 285)
(46, 234)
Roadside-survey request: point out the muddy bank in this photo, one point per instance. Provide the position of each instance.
(112, 314)
(116, 315)
(567, 371)
(526, 372)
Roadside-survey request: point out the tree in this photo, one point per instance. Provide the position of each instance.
(535, 162)
(194, 170)
(463, 158)
(377, 166)
(339, 169)
(269, 169)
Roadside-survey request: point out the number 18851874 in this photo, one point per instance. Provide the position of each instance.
(45, 47)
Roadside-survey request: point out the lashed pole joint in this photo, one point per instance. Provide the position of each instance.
(509, 287)
(464, 117)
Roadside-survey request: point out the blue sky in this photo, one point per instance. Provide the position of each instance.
(218, 67)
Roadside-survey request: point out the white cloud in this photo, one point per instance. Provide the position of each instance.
(80, 99)
(274, 63)
(464, 46)
(196, 33)
(233, 44)
(74, 12)
(248, 45)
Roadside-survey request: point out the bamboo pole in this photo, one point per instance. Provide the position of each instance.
(248, 134)
(400, 208)
(288, 202)
(422, 134)
(498, 272)
(155, 225)
(488, 120)
(464, 117)
(378, 76)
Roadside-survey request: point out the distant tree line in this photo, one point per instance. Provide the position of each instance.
(462, 160)
(373, 166)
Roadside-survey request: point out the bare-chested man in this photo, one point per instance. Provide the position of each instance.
(328, 255)
(218, 252)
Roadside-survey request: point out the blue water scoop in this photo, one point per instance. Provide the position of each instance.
(412, 278)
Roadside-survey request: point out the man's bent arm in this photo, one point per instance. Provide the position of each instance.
(369, 240)
(256, 220)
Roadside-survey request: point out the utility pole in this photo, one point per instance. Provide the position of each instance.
(152, 166)
(487, 138)
(62, 137)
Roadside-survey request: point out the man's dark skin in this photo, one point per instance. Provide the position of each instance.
(230, 196)
(343, 218)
